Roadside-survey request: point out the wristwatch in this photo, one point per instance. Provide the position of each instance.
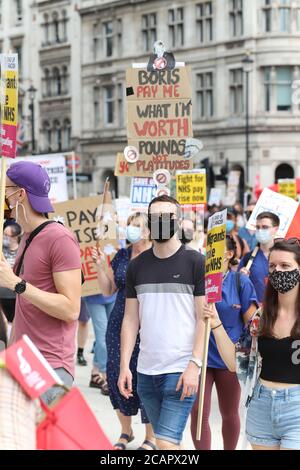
(196, 361)
(20, 288)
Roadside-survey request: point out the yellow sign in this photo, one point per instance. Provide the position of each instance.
(191, 187)
(288, 187)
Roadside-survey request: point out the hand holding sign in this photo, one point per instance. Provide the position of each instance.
(210, 313)
(98, 257)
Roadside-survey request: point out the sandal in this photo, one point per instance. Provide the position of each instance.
(96, 381)
(121, 445)
(104, 388)
(147, 443)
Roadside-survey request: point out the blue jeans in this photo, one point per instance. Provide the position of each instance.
(167, 414)
(55, 392)
(100, 315)
(273, 417)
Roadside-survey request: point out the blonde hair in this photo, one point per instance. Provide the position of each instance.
(142, 217)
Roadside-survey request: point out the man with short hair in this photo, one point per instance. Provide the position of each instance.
(48, 288)
(165, 295)
(267, 225)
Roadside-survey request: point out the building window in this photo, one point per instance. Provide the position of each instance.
(236, 91)
(46, 84)
(236, 18)
(96, 40)
(204, 92)
(96, 108)
(67, 135)
(284, 10)
(46, 30)
(109, 105)
(119, 36)
(278, 88)
(121, 105)
(55, 28)
(19, 10)
(57, 136)
(56, 82)
(17, 49)
(176, 27)
(47, 136)
(268, 15)
(205, 22)
(148, 31)
(108, 38)
(64, 23)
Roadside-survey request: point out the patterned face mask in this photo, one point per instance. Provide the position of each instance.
(284, 281)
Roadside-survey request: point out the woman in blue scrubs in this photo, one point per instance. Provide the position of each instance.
(238, 305)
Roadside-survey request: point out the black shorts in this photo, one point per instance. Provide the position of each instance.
(8, 308)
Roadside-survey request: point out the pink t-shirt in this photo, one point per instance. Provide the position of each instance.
(53, 250)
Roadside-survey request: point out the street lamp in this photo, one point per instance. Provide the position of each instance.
(32, 91)
(247, 61)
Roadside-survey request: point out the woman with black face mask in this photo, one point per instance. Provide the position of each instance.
(267, 357)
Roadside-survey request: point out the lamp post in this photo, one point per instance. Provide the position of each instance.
(32, 91)
(247, 61)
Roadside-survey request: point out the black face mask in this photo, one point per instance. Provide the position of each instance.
(187, 236)
(162, 227)
(284, 281)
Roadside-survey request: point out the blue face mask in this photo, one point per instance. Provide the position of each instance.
(133, 234)
(229, 226)
(263, 236)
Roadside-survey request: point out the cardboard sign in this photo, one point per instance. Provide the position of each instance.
(191, 187)
(162, 85)
(142, 192)
(30, 369)
(159, 113)
(9, 104)
(214, 263)
(81, 217)
(55, 166)
(149, 166)
(288, 187)
(284, 207)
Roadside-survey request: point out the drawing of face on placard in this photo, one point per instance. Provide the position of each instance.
(192, 148)
(161, 59)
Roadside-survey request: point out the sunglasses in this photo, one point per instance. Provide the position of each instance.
(289, 241)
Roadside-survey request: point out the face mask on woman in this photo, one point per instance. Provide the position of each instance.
(284, 281)
(229, 226)
(133, 234)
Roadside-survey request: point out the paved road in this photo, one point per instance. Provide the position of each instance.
(101, 406)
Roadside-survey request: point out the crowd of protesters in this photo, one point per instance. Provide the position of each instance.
(149, 320)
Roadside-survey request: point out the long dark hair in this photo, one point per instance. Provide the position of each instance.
(270, 304)
(231, 246)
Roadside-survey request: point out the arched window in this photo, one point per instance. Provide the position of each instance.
(64, 22)
(284, 171)
(56, 82)
(47, 136)
(55, 24)
(65, 80)
(57, 135)
(47, 83)
(46, 29)
(67, 135)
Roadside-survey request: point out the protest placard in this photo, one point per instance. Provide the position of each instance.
(191, 187)
(288, 187)
(9, 104)
(55, 166)
(215, 196)
(142, 192)
(81, 217)
(232, 188)
(270, 201)
(147, 167)
(215, 249)
(159, 115)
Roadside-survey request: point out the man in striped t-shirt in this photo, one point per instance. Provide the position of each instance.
(165, 295)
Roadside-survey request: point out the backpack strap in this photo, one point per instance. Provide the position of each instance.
(28, 241)
(238, 283)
